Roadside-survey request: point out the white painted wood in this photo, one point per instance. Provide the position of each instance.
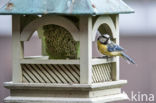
(44, 61)
(50, 93)
(17, 48)
(27, 77)
(59, 76)
(30, 74)
(70, 76)
(102, 99)
(114, 72)
(102, 73)
(52, 73)
(41, 74)
(99, 73)
(104, 85)
(97, 76)
(37, 57)
(117, 42)
(116, 65)
(65, 93)
(36, 74)
(93, 73)
(75, 73)
(96, 61)
(47, 73)
(104, 92)
(85, 49)
(103, 20)
(75, 69)
(46, 20)
(63, 75)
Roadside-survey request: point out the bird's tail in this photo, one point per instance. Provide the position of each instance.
(125, 56)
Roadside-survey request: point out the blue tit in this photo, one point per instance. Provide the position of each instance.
(110, 49)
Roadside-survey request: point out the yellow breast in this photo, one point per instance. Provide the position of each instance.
(103, 49)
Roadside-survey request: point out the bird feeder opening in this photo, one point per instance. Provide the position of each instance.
(58, 43)
(53, 42)
(103, 29)
(58, 37)
(32, 48)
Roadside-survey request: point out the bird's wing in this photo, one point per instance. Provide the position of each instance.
(112, 47)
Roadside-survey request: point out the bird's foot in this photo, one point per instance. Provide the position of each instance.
(109, 58)
(106, 57)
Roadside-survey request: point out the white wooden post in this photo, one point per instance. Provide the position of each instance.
(116, 65)
(17, 48)
(117, 41)
(85, 49)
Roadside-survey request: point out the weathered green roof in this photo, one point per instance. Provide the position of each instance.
(67, 7)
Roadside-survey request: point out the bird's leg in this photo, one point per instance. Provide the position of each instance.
(106, 57)
(103, 57)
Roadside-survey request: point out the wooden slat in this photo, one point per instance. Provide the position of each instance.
(109, 70)
(35, 73)
(51, 73)
(76, 76)
(45, 72)
(75, 69)
(63, 80)
(66, 78)
(42, 61)
(96, 61)
(102, 73)
(94, 77)
(26, 78)
(106, 72)
(102, 76)
(69, 74)
(41, 73)
(97, 74)
(29, 74)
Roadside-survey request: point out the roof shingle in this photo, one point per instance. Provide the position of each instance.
(66, 7)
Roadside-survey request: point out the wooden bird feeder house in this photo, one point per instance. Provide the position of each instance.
(66, 72)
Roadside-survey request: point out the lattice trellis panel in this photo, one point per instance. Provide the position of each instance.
(102, 73)
(48, 73)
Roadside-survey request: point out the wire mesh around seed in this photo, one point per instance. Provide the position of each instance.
(59, 43)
